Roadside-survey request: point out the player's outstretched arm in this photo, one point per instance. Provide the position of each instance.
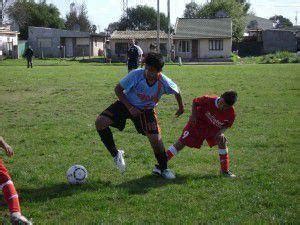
(8, 150)
(180, 110)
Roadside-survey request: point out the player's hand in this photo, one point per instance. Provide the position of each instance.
(179, 112)
(220, 138)
(134, 111)
(8, 150)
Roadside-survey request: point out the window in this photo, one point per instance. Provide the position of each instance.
(215, 45)
(121, 48)
(184, 46)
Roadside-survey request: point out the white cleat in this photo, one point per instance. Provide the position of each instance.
(16, 218)
(228, 174)
(168, 174)
(156, 171)
(120, 162)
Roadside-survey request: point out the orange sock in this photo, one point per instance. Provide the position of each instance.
(11, 196)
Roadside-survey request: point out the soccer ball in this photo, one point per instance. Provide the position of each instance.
(77, 174)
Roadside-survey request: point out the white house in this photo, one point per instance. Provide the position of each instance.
(8, 42)
(201, 38)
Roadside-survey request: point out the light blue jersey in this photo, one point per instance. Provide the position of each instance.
(140, 94)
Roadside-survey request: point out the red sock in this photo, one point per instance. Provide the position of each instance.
(11, 196)
(171, 152)
(169, 155)
(224, 160)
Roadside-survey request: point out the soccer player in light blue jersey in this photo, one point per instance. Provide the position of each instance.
(139, 93)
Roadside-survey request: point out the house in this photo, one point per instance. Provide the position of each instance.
(119, 42)
(97, 43)
(203, 39)
(50, 42)
(275, 40)
(8, 42)
(252, 43)
(296, 32)
(255, 25)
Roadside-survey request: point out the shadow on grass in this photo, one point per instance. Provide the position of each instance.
(58, 190)
(137, 186)
(144, 184)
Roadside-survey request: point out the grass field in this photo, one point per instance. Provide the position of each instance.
(47, 114)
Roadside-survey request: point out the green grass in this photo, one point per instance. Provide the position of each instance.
(47, 114)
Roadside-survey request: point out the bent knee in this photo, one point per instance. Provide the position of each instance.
(102, 122)
(222, 144)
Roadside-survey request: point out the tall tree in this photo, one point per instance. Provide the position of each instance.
(77, 18)
(232, 8)
(245, 4)
(191, 10)
(28, 13)
(281, 21)
(139, 18)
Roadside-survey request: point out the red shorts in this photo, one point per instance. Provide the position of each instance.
(193, 138)
(4, 176)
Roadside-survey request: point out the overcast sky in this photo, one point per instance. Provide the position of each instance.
(103, 12)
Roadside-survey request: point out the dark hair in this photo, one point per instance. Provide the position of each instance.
(230, 97)
(155, 60)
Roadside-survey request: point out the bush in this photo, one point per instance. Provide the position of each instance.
(278, 57)
(281, 57)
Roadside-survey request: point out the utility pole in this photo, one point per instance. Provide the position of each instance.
(125, 7)
(169, 32)
(158, 28)
(296, 18)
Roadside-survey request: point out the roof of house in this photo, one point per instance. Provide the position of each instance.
(45, 32)
(293, 28)
(7, 31)
(262, 23)
(137, 34)
(203, 28)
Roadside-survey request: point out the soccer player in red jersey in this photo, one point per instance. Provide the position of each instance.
(8, 189)
(211, 116)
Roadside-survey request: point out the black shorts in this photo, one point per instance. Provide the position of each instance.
(146, 123)
(132, 65)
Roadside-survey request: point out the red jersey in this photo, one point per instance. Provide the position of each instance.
(210, 120)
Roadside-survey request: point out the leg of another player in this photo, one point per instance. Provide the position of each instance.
(224, 158)
(174, 149)
(102, 125)
(11, 197)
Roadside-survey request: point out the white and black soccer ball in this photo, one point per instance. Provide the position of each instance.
(77, 174)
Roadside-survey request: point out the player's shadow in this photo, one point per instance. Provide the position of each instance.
(144, 184)
(59, 190)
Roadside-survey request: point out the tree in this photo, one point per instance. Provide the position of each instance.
(191, 10)
(245, 4)
(77, 18)
(139, 18)
(233, 8)
(281, 21)
(28, 13)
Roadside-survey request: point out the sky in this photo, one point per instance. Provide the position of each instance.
(103, 12)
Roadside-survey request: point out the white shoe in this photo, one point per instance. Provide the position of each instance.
(168, 174)
(17, 218)
(228, 174)
(156, 171)
(120, 162)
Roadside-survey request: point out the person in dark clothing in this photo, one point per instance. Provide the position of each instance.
(134, 55)
(28, 55)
